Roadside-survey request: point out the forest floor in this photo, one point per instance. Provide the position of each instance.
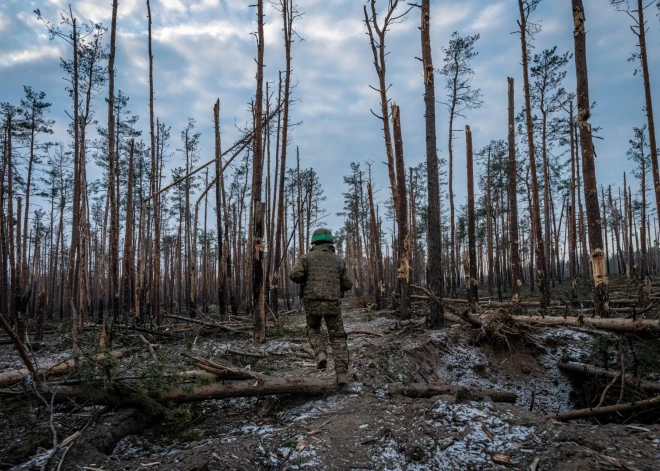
(361, 427)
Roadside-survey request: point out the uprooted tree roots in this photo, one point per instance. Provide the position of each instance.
(500, 329)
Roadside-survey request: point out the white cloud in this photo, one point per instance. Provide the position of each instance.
(30, 54)
(216, 30)
(489, 18)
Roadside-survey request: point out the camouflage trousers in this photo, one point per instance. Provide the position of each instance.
(316, 311)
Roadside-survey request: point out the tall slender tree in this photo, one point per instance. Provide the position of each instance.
(636, 13)
(258, 299)
(516, 269)
(434, 281)
(597, 256)
(526, 8)
(461, 96)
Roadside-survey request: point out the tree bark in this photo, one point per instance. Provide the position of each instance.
(516, 271)
(601, 296)
(635, 383)
(112, 194)
(403, 274)
(435, 276)
(541, 262)
(259, 333)
(154, 181)
(225, 390)
(607, 410)
(472, 280)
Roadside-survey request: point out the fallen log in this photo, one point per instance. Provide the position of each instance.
(29, 367)
(364, 332)
(12, 377)
(144, 330)
(421, 390)
(222, 371)
(211, 325)
(581, 368)
(177, 394)
(612, 324)
(607, 410)
(463, 314)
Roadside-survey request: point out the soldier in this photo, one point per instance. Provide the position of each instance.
(323, 277)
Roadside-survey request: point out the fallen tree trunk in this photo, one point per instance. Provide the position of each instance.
(211, 325)
(421, 390)
(615, 324)
(364, 332)
(222, 371)
(21, 350)
(462, 314)
(581, 368)
(176, 394)
(9, 378)
(600, 411)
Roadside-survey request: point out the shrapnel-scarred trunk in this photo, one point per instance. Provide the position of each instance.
(403, 274)
(435, 278)
(596, 254)
(516, 272)
(259, 333)
(541, 270)
(471, 276)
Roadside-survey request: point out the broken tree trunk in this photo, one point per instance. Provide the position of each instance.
(9, 378)
(403, 273)
(600, 411)
(177, 394)
(21, 351)
(205, 324)
(420, 390)
(596, 254)
(612, 324)
(581, 368)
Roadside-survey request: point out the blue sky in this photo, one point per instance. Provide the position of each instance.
(204, 50)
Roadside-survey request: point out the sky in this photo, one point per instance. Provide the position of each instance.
(205, 50)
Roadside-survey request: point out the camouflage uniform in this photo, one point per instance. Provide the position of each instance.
(323, 279)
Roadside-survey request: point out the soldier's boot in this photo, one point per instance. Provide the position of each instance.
(342, 379)
(321, 360)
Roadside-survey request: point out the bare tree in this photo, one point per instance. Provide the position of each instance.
(462, 96)
(601, 294)
(403, 274)
(435, 278)
(377, 33)
(259, 333)
(516, 271)
(526, 7)
(639, 30)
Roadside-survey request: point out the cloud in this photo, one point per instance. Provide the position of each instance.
(490, 17)
(29, 54)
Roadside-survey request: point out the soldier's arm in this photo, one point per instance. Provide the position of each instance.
(346, 283)
(299, 272)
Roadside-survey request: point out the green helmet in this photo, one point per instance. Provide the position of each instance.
(322, 236)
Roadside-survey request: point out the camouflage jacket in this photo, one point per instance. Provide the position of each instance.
(322, 274)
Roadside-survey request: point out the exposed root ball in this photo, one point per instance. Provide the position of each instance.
(500, 330)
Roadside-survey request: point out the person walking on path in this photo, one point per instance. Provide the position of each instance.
(323, 279)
